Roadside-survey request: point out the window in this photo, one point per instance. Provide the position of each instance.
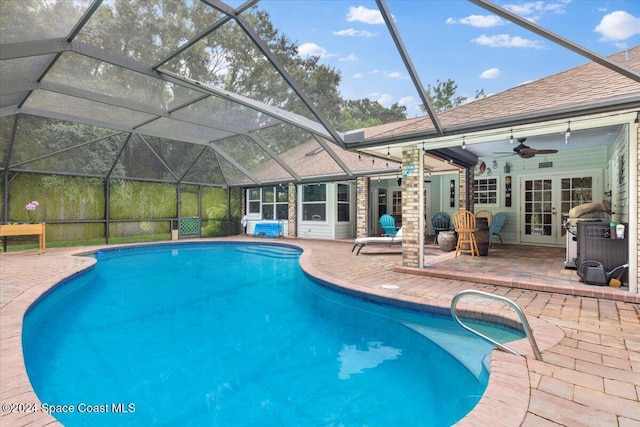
(268, 199)
(485, 191)
(344, 207)
(253, 199)
(396, 204)
(314, 202)
(273, 202)
(382, 201)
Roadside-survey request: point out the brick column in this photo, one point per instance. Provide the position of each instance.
(638, 209)
(362, 206)
(293, 223)
(463, 175)
(411, 207)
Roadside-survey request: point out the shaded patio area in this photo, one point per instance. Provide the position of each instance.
(517, 266)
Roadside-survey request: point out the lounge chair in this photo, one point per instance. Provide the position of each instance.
(386, 240)
(388, 224)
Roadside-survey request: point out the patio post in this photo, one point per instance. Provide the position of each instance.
(362, 206)
(411, 199)
(293, 229)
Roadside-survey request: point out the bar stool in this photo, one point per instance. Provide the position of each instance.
(464, 223)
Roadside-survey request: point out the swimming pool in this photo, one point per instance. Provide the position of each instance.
(236, 334)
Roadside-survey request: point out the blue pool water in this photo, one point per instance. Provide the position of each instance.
(237, 335)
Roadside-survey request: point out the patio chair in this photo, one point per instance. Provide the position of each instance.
(440, 221)
(361, 242)
(465, 225)
(388, 224)
(496, 226)
(485, 214)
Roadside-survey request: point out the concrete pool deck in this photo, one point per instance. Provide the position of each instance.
(590, 375)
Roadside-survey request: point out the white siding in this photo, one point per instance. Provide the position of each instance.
(565, 162)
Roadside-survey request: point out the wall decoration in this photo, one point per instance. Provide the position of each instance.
(481, 168)
(452, 193)
(507, 191)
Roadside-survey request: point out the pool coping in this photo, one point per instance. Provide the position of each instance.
(507, 392)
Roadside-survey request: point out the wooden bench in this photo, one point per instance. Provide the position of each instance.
(24, 230)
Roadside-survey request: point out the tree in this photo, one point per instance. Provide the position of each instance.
(362, 113)
(443, 96)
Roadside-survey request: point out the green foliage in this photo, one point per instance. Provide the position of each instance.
(142, 200)
(215, 209)
(363, 113)
(443, 96)
(60, 197)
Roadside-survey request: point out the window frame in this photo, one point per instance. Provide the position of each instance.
(314, 203)
(343, 203)
(491, 195)
(268, 204)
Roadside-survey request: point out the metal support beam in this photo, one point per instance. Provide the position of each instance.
(233, 161)
(204, 33)
(264, 48)
(334, 156)
(402, 50)
(255, 138)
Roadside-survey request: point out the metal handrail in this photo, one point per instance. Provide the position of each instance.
(517, 309)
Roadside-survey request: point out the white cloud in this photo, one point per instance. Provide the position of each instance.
(505, 40)
(389, 74)
(357, 76)
(311, 49)
(479, 21)
(367, 16)
(395, 75)
(386, 100)
(349, 58)
(618, 25)
(533, 10)
(406, 101)
(352, 32)
(491, 73)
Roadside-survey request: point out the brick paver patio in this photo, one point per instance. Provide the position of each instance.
(590, 375)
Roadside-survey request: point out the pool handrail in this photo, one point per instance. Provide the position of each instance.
(523, 321)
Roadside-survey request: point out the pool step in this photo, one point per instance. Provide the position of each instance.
(273, 251)
(459, 344)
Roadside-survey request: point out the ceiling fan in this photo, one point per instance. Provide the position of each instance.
(526, 152)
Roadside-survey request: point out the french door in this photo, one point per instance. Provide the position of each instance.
(546, 202)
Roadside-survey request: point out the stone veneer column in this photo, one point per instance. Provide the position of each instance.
(293, 223)
(411, 208)
(243, 202)
(462, 189)
(638, 209)
(362, 206)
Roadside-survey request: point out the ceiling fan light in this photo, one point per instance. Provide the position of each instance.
(511, 137)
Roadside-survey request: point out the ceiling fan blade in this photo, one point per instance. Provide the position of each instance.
(545, 151)
(526, 154)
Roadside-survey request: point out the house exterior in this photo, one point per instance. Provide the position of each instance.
(324, 207)
(580, 137)
(583, 121)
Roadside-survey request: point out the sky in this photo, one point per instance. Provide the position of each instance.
(450, 39)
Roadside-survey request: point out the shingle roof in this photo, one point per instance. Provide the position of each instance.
(579, 86)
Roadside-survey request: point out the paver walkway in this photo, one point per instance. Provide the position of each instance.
(591, 347)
